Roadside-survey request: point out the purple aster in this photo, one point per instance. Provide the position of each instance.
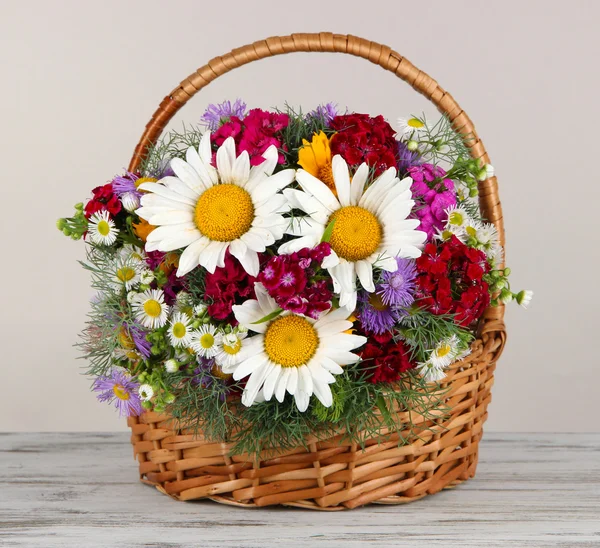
(120, 388)
(126, 183)
(216, 115)
(139, 338)
(205, 375)
(397, 288)
(326, 113)
(374, 315)
(407, 158)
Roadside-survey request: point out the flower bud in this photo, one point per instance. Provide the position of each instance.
(171, 366)
(147, 404)
(61, 223)
(507, 271)
(412, 145)
(506, 296)
(524, 297)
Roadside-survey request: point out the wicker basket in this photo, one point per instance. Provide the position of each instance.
(332, 474)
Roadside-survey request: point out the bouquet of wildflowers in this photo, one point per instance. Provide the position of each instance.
(272, 274)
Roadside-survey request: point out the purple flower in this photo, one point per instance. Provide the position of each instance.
(397, 288)
(126, 183)
(325, 113)
(407, 158)
(139, 338)
(216, 115)
(208, 373)
(433, 195)
(120, 388)
(374, 315)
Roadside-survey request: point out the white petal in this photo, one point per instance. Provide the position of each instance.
(241, 169)
(319, 374)
(309, 204)
(332, 328)
(171, 218)
(333, 316)
(187, 174)
(297, 244)
(249, 261)
(357, 186)
(341, 177)
(343, 341)
(264, 234)
(275, 204)
(248, 313)
(373, 196)
(212, 255)
(253, 241)
(266, 302)
(177, 185)
(341, 357)
(364, 269)
(305, 381)
(190, 258)
(323, 393)
(255, 383)
(318, 189)
(225, 160)
(331, 260)
(205, 149)
(162, 190)
(271, 382)
(282, 383)
(302, 400)
(168, 231)
(259, 172)
(249, 365)
(185, 238)
(292, 384)
(331, 366)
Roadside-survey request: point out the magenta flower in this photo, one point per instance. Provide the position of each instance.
(433, 195)
(121, 389)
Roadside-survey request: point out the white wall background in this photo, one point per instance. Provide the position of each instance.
(79, 80)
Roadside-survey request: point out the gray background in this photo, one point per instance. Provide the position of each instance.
(80, 80)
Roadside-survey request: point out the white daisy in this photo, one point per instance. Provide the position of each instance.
(457, 216)
(292, 353)
(132, 252)
(231, 350)
(146, 392)
(146, 276)
(101, 228)
(125, 272)
(208, 210)
(370, 227)
(488, 241)
(205, 341)
(180, 330)
(445, 353)
(407, 126)
(150, 308)
(430, 372)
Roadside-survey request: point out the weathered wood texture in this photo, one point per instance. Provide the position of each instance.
(81, 490)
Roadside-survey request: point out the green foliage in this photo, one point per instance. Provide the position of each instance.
(76, 226)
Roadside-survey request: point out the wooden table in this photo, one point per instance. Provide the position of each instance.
(81, 489)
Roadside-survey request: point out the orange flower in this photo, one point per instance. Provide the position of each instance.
(142, 229)
(315, 157)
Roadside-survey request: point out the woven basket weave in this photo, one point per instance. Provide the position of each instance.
(333, 474)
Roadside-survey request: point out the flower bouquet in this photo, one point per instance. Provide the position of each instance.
(297, 308)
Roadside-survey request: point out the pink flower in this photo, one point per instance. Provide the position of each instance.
(433, 195)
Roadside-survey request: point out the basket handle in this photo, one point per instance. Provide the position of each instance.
(327, 42)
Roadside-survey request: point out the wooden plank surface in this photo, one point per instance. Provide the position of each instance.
(81, 489)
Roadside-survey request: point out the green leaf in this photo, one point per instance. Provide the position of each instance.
(328, 232)
(270, 316)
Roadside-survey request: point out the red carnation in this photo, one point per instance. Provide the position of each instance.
(450, 280)
(361, 138)
(385, 362)
(228, 286)
(103, 199)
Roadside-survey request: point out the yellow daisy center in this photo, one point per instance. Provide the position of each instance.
(179, 330)
(232, 350)
(125, 274)
(207, 340)
(125, 339)
(291, 341)
(103, 228)
(152, 308)
(224, 212)
(356, 233)
(415, 123)
(471, 231)
(376, 302)
(120, 392)
(443, 350)
(456, 218)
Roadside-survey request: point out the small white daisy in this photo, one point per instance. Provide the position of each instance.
(231, 349)
(101, 228)
(444, 354)
(430, 372)
(457, 217)
(150, 308)
(126, 272)
(407, 126)
(205, 341)
(131, 296)
(180, 330)
(146, 392)
(200, 309)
